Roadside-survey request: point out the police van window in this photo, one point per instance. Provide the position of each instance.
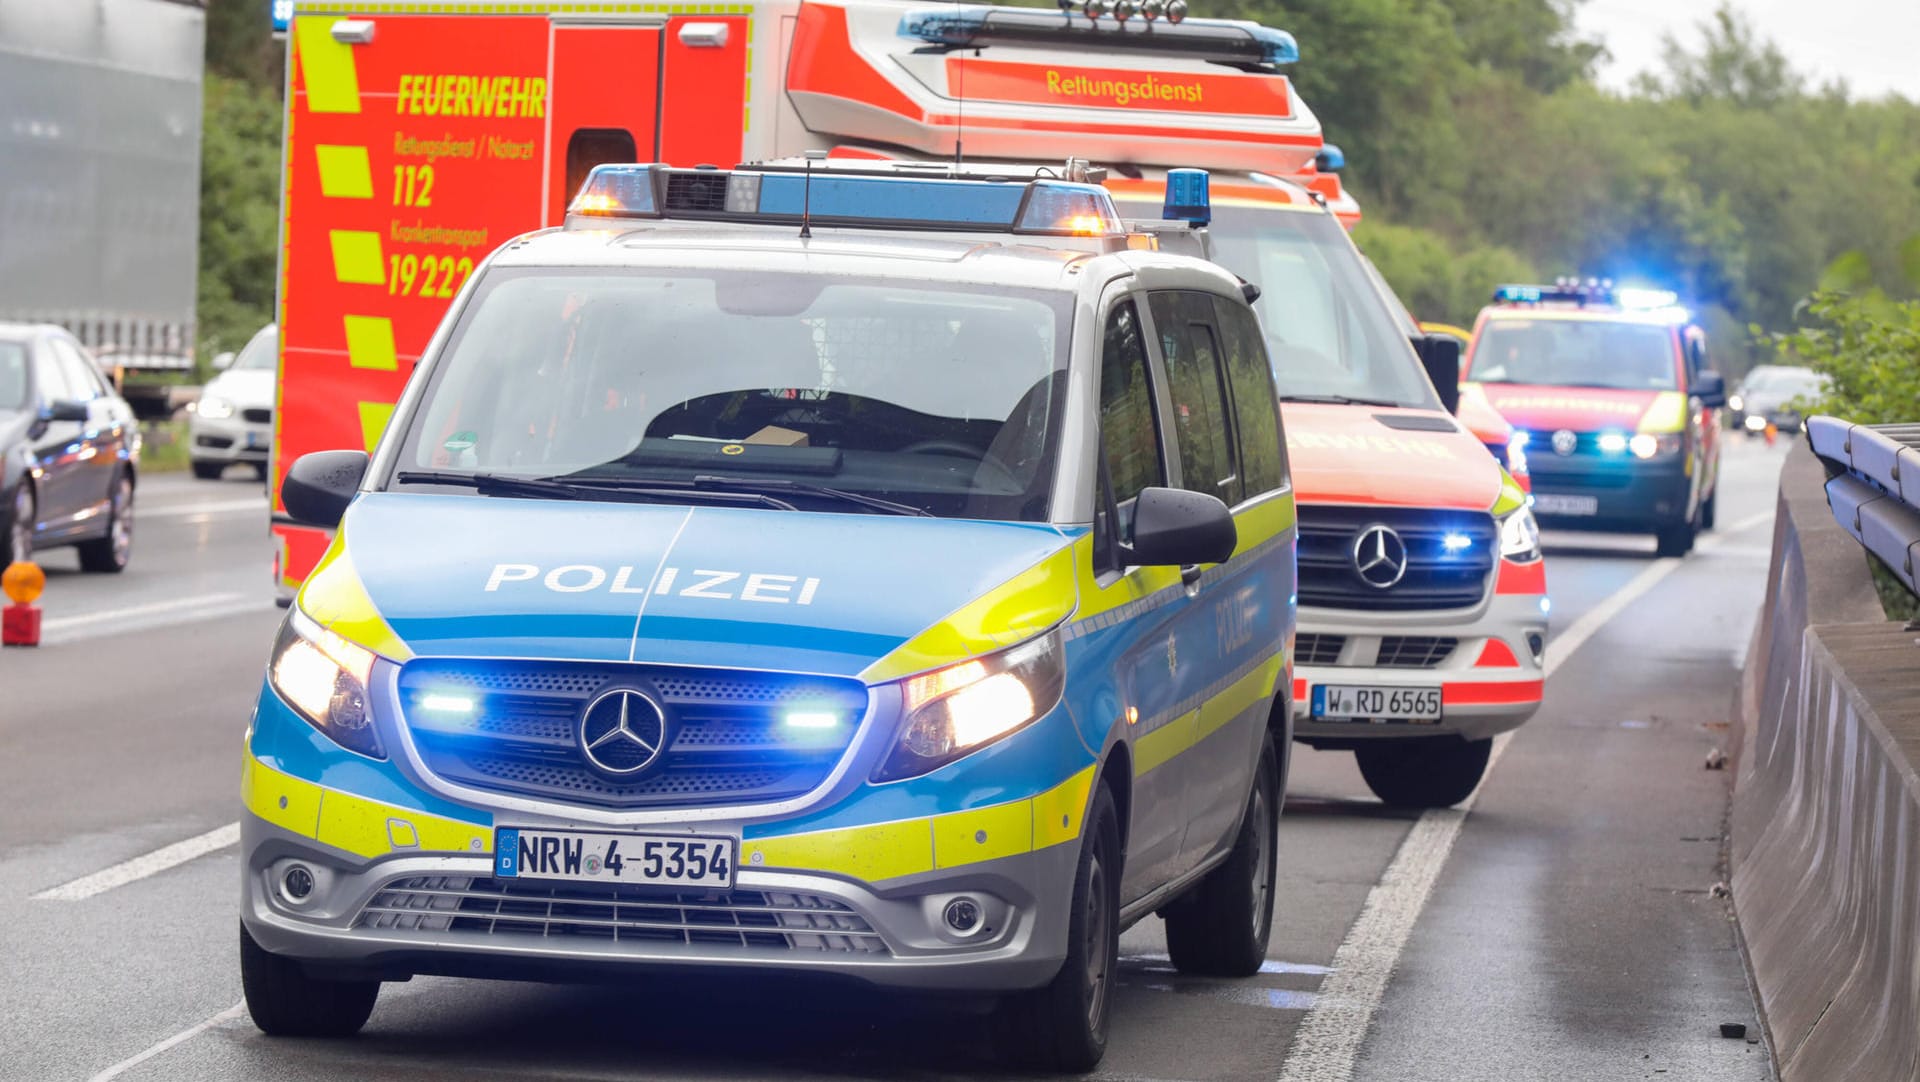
(589, 147)
(1256, 417)
(50, 378)
(938, 398)
(1196, 387)
(13, 376)
(1129, 430)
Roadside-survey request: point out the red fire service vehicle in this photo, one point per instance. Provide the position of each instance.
(422, 135)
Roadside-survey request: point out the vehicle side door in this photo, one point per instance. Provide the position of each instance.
(1138, 605)
(1703, 437)
(57, 446)
(104, 430)
(1231, 635)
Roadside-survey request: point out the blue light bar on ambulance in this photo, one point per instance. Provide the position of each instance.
(1188, 199)
(1331, 159)
(835, 197)
(973, 27)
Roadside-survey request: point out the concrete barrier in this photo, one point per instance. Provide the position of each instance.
(1826, 820)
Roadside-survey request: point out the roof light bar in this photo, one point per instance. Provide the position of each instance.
(1331, 159)
(1162, 29)
(1598, 292)
(865, 200)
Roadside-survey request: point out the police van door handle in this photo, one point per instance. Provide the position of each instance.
(704, 35)
(353, 31)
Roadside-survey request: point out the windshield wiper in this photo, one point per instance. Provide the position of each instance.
(574, 488)
(756, 489)
(1341, 400)
(807, 488)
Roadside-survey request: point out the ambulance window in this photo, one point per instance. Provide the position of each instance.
(1129, 433)
(589, 147)
(1197, 387)
(1256, 415)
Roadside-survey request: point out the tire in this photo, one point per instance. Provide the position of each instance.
(1674, 540)
(1429, 772)
(1220, 928)
(1062, 1025)
(208, 471)
(18, 540)
(1707, 509)
(286, 1002)
(110, 554)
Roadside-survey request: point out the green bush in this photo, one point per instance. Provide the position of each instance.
(1869, 346)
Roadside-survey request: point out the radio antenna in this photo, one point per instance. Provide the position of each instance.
(960, 103)
(806, 193)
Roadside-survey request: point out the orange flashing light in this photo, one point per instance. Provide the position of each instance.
(23, 582)
(596, 203)
(1087, 225)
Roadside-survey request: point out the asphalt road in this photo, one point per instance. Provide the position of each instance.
(1563, 927)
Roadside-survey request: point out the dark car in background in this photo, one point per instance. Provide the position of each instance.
(1770, 394)
(69, 451)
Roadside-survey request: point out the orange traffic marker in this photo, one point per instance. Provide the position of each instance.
(20, 621)
(1773, 433)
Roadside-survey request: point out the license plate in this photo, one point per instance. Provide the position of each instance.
(1549, 504)
(668, 860)
(1376, 703)
(256, 441)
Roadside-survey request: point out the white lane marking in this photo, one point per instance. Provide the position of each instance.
(60, 624)
(1327, 1045)
(128, 871)
(191, 614)
(185, 1035)
(220, 508)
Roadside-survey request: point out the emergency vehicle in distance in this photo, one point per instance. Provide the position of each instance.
(1618, 398)
(421, 134)
(872, 574)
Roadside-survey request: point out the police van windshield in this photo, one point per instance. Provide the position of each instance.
(933, 398)
(1575, 353)
(1330, 335)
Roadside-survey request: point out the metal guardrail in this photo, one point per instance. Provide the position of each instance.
(1873, 487)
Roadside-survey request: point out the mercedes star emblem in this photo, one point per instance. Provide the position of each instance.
(623, 731)
(1564, 441)
(1380, 556)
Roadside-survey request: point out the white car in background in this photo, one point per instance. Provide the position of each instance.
(233, 421)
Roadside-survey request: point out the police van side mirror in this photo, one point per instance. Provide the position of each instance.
(1711, 389)
(1440, 356)
(1176, 528)
(319, 486)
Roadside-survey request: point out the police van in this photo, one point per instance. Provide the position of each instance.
(877, 574)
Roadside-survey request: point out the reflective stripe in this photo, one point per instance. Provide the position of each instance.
(1188, 729)
(370, 343)
(373, 422)
(1016, 610)
(367, 828)
(344, 172)
(1512, 497)
(334, 596)
(1527, 578)
(882, 851)
(331, 83)
(1509, 692)
(356, 257)
(1666, 413)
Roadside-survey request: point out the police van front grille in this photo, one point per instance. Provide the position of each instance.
(773, 920)
(515, 728)
(1435, 578)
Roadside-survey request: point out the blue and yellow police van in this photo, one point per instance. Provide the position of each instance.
(848, 570)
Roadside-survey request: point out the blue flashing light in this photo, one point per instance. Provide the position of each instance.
(1208, 39)
(1187, 197)
(1613, 443)
(1456, 542)
(619, 191)
(1646, 299)
(282, 13)
(1512, 294)
(1546, 605)
(1331, 159)
(1520, 438)
(811, 719)
(447, 704)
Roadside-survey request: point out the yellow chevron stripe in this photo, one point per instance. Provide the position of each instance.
(373, 421)
(370, 343)
(336, 599)
(356, 257)
(1016, 610)
(344, 172)
(332, 81)
(367, 828)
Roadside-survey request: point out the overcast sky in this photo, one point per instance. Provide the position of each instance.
(1873, 44)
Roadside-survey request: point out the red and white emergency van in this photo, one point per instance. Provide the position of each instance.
(421, 135)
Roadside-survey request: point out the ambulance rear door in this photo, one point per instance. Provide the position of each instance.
(417, 142)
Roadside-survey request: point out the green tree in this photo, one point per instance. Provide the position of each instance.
(239, 211)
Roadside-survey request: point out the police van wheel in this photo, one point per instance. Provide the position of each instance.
(1674, 540)
(1430, 772)
(286, 1002)
(1062, 1025)
(1220, 928)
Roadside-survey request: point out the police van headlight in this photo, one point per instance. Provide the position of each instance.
(955, 711)
(324, 678)
(1520, 537)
